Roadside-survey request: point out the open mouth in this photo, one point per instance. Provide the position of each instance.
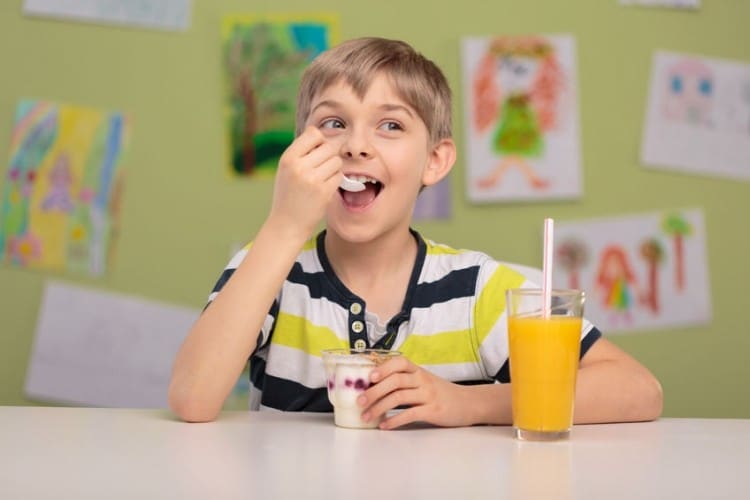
(362, 198)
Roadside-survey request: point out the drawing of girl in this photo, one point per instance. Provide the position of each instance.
(615, 280)
(517, 87)
(689, 93)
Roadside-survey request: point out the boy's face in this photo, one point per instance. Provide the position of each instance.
(383, 140)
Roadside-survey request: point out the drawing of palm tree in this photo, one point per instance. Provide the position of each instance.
(677, 227)
(653, 253)
(263, 73)
(572, 255)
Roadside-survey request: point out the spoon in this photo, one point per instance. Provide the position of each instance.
(348, 184)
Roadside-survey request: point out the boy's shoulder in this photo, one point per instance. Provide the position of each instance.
(462, 258)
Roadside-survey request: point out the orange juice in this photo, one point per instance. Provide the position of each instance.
(543, 368)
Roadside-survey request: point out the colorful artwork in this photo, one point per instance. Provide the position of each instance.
(61, 193)
(698, 116)
(638, 272)
(521, 118)
(264, 57)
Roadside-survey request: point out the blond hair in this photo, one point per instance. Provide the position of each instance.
(416, 79)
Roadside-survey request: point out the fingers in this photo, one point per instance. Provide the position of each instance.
(413, 414)
(312, 157)
(393, 400)
(396, 383)
(308, 141)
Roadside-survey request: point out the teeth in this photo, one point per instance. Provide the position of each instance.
(363, 178)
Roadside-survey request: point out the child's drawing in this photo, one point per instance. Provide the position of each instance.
(60, 199)
(698, 116)
(689, 93)
(638, 272)
(522, 123)
(616, 284)
(264, 58)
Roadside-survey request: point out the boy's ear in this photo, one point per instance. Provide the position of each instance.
(441, 160)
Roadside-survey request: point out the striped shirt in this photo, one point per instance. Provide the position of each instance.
(452, 323)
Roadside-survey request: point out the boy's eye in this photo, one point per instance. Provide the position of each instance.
(332, 123)
(391, 126)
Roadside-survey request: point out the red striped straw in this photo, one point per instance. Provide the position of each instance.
(549, 230)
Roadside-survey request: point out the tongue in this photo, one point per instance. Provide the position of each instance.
(360, 198)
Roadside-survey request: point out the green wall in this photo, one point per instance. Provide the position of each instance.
(181, 212)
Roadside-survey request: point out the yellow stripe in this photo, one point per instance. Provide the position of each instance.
(298, 333)
(435, 249)
(440, 348)
(491, 302)
(309, 245)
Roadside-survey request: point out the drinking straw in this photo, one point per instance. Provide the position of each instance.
(549, 228)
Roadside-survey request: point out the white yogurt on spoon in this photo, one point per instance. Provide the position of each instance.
(348, 184)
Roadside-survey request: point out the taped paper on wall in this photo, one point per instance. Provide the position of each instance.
(97, 348)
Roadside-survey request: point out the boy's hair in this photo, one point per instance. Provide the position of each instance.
(417, 80)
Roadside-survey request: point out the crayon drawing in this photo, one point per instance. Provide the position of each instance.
(521, 116)
(639, 272)
(61, 195)
(698, 116)
(264, 57)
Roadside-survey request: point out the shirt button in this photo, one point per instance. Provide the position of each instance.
(355, 308)
(357, 326)
(359, 345)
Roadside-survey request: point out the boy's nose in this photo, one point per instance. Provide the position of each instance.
(362, 154)
(356, 146)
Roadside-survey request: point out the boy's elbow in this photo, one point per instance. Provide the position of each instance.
(652, 398)
(190, 409)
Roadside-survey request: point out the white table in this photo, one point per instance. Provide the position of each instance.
(142, 454)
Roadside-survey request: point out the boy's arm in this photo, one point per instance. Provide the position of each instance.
(611, 387)
(218, 345)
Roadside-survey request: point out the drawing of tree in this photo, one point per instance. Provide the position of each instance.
(677, 227)
(572, 255)
(263, 71)
(653, 253)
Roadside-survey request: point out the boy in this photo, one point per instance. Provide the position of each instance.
(376, 111)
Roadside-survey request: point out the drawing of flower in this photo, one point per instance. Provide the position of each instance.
(24, 249)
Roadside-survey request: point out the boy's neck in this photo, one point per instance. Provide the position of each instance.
(374, 268)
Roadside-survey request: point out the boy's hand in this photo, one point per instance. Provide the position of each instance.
(308, 176)
(430, 398)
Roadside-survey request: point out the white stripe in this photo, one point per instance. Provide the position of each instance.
(292, 364)
(320, 312)
(309, 261)
(437, 266)
(235, 262)
(447, 316)
(458, 372)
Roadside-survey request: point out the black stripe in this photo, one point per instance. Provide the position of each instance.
(503, 375)
(591, 337)
(288, 395)
(223, 280)
(257, 371)
(456, 284)
(319, 286)
(473, 382)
